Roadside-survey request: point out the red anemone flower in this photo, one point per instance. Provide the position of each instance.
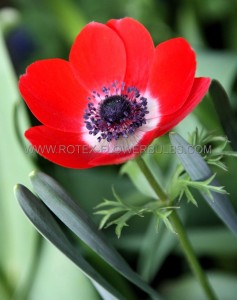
(114, 96)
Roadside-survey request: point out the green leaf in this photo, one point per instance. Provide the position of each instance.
(198, 170)
(203, 186)
(126, 211)
(224, 111)
(121, 222)
(71, 214)
(117, 207)
(44, 221)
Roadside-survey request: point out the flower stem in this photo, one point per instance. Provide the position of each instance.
(180, 230)
(190, 255)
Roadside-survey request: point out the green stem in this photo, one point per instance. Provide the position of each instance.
(190, 255)
(180, 230)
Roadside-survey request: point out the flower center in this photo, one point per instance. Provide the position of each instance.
(118, 112)
(114, 109)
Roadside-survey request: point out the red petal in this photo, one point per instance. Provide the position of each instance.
(53, 94)
(98, 56)
(172, 74)
(139, 50)
(199, 89)
(63, 148)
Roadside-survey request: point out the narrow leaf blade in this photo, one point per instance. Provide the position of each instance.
(198, 170)
(46, 224)
(72, 215)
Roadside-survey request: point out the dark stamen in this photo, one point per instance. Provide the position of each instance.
(114, 108)
(115, 115)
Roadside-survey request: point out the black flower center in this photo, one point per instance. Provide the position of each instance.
(118, 112)
(114, 109)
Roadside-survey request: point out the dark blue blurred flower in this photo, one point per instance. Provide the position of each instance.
(20, 46)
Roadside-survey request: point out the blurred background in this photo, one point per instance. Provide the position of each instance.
(30, 267)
